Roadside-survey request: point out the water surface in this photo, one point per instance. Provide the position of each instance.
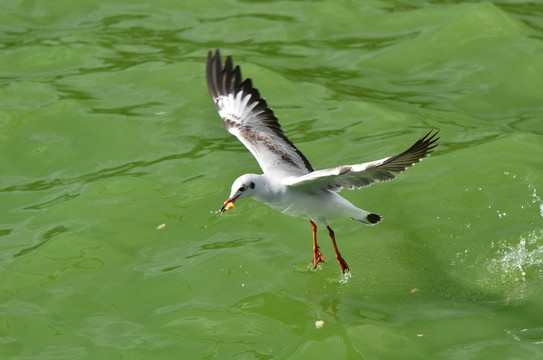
(107, 132)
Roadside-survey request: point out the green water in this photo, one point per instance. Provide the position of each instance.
(107, 131)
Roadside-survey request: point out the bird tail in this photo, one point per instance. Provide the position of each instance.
(368, 218)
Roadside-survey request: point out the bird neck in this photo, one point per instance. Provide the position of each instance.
(266, 189)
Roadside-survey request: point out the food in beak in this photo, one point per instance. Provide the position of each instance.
(228, 204)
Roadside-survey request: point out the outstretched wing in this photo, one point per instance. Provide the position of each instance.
(246, 115)
(361, 175)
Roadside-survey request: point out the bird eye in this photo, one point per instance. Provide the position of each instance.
(242, 188)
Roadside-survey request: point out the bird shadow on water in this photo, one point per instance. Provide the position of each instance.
(506, 278)
(228, 244)
(220, 245)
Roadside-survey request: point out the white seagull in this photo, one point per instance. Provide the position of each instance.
(289, 183)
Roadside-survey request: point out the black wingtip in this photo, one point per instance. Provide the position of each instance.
(430, 140)
(227, 80)
(213, 71)
(374, 218)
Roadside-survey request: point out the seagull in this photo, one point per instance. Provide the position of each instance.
(289, 182)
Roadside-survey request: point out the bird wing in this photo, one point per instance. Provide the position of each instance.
(361, 175)
(247, 116)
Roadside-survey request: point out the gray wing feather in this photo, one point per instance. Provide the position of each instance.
(361, 175)
(246, 115)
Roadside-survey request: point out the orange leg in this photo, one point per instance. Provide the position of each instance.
(342, 262)
(317, 258)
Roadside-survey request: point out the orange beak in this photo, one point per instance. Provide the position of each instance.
(228, 204)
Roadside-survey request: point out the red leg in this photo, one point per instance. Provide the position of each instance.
(317, 257)
(342, 262)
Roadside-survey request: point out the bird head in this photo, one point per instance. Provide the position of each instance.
(242, 187)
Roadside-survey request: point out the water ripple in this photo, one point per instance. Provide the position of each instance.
(46, 237)
(134, 168)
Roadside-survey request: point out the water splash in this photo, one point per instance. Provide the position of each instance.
(536, 199)
(534, 335)
(520, 261)
(344, 278)
(533, 197)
